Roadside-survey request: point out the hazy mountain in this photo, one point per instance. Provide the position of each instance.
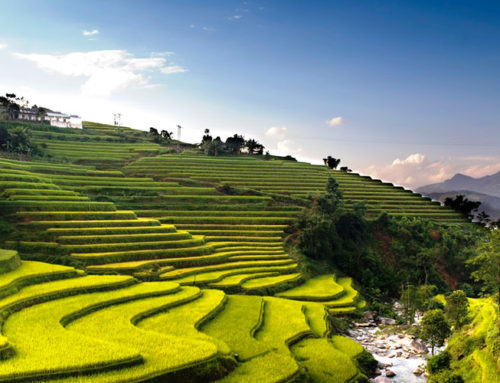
(489, 204)
(489, 185)
(485, 190)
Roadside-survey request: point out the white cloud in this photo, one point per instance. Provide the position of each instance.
(277, 132)
(482, 170)
(173, 69)
(93, 32)
(287, 147)
(284, 145)
(162, 54)
(105, 71)
(235, 17)
(3, 46)
(335, 121)
(415, 170)
(416, 158)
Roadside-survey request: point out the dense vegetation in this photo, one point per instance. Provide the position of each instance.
(387, 252)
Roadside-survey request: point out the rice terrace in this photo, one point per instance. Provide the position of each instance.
(138, 255)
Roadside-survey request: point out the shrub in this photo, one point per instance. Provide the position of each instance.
(367, 363)
(446, 377)
(439, 362)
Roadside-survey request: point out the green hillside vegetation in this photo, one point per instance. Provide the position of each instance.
(117, 243)
(475, 348)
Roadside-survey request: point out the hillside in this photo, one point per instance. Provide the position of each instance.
(131, 245)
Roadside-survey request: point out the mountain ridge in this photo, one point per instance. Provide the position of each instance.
(489, 185)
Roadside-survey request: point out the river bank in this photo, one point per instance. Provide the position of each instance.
(401, 357)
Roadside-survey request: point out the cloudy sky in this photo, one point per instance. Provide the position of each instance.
(407, 91)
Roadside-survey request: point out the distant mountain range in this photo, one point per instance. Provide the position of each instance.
(485, 189)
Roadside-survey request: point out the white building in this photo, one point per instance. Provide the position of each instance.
(75, 122)
(61, 120)
(29, 114)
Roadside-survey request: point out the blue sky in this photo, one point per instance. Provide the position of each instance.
(411, 88)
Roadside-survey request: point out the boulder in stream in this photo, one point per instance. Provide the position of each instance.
(419, 346)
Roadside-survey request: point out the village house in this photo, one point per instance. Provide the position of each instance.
(61, 120)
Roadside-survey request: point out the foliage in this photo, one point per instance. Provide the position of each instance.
(439, 362)
(367, 363)
(387, 252)
(17, 141)
(415, 299)
(446, 376)
(214, 147)
(475, 347)
(233, 145)
(331, 162)
(456, 308)
(163, 137)
(463, 205)
(254, 147)
(11, 103)
(487, 263)
(408, 301)
(435, 328)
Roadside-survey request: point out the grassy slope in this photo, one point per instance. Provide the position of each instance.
(473, 348)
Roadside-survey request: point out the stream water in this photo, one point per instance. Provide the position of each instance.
(403, 368)
(394, 351)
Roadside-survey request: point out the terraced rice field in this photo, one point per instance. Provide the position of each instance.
(112, 328)
(287, 178)
(169, 249)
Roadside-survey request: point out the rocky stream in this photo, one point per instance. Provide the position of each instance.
(401, 357)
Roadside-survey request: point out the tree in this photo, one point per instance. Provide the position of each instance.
(415, 299)
(409, 303)
(345, 169)
(254, 147)
(215, 147)
(41, 112)
(206, 137)
(235, 143)
(166, 135)
(329, 203)
(456, 308)
(17, 141)
(318, 228)
(495, 224)
(435, 328)
(424, 297)
(4, 137)
(10, 102)
(153, 132)
(463, 205)
(483, 218)
(331, 162)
